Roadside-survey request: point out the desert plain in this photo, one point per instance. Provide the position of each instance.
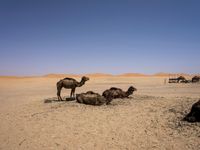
(149, 120)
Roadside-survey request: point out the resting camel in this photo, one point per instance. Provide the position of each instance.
(70, 83)
(181, 78)
(91, 98)
(194, 115)
(114, 92)
(177, 80)
(195, 79)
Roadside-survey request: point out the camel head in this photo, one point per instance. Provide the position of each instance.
(132, 89)
(85, 78)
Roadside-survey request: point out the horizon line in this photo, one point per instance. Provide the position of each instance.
(103, 74)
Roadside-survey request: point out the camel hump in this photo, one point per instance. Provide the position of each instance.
(69, 79)
(114, 88)
(181, 78)
(90, 98)
(196, 77)
(90, 92)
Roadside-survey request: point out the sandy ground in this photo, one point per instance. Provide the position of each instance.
(149, 119)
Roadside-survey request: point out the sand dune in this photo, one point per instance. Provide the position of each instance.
(149, 119)
(53, 75)
(132, 75)
(98, 75)
(61, 75)
(162, 74)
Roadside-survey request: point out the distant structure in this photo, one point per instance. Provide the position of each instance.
(165, 81)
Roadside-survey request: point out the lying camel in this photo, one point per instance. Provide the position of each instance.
(194, 115)
(91, 98)
(195, 79)
(177, 80)
(114, 92)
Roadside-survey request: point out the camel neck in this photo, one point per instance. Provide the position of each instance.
(129, 92)
(81, 83)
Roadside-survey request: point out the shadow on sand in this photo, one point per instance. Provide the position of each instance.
(55, 99)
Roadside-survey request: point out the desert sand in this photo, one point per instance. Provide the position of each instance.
(149, 120)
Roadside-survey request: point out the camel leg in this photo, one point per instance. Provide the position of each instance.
(72, 93)
(59, 97)
(58, 93)
(109, 100)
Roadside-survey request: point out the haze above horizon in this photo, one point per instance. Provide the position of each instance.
(117, 36)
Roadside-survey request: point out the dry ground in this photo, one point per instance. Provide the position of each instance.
(150, 119)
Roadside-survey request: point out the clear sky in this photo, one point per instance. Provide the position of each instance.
(110, 36)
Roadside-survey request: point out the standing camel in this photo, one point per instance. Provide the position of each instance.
(70, 83)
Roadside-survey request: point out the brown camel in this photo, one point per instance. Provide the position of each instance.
(195, 79)
(70, 83)
(91, 98)
(114, 92)
(194, 115)
(181, 78)
(177, 80)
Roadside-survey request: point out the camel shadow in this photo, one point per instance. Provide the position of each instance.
(70, 98)
(55, 100)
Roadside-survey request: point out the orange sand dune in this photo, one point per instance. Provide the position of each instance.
(18, 77)
(98, 75)
(163, 74)
(94, 75)
(132, 75)
(61, 75)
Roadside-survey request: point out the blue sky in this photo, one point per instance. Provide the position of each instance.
(111, 36)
